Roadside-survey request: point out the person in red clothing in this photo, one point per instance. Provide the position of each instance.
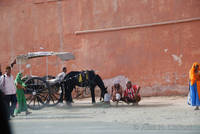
(131, 94)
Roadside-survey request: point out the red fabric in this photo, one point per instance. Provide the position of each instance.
(131, 92)
(136, 87)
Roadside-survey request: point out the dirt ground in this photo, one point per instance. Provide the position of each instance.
(152, 115)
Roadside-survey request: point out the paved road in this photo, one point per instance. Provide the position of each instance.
(87, 127)
(154, 115)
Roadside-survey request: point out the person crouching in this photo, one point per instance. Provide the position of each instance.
(131, 94)
(116, 92)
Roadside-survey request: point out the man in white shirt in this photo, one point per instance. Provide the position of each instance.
(9, 91)
(60, 77)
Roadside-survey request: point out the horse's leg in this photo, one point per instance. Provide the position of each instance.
(92, 94)
(68, 95)
(61, 95)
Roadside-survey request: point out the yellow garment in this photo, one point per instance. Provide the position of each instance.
(80, 78)
(195, 77)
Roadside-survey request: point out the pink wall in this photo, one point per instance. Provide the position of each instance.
(158, 58)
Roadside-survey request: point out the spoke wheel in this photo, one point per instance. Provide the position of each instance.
(37, 93)
(54, 95)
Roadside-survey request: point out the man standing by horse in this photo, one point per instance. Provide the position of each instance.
(60, 77)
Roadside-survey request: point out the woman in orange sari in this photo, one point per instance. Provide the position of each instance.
(194, 76)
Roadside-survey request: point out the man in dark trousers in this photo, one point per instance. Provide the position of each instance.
(9, 91)
(60, 77)
(4, 124)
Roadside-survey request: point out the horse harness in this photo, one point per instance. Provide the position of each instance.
(85, 78)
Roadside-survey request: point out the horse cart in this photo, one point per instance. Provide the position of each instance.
(42, 91)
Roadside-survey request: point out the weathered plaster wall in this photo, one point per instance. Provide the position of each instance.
(158, 58)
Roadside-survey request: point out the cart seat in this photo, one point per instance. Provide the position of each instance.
(53, 81)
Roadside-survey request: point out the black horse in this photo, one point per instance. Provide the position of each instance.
(83, 79)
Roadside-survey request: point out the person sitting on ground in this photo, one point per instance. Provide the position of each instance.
(131, 94)
(21, 100)
(116, 93)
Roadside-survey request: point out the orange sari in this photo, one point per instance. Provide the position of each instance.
(195, 77)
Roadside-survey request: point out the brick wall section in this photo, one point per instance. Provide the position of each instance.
(158, 58)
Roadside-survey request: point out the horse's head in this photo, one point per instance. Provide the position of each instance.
(103, 91)
(101, 85)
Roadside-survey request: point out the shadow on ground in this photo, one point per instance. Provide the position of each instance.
(101, 105)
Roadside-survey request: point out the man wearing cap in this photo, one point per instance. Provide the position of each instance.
(116, 93)
(131, 94)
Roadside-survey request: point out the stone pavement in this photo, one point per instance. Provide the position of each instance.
(153, 115)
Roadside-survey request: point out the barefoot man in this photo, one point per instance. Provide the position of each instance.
(131, 94)
(116, 93)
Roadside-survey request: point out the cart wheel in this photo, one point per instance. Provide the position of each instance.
(36, 93)
(54, 95)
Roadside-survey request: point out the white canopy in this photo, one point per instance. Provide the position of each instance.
(64, 56)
